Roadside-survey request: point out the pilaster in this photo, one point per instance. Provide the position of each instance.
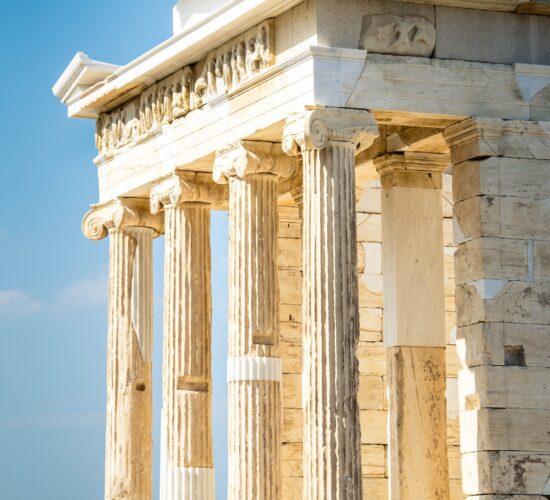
(501, 179)
(414, 322)
(187, 468)
(254, 372)
(128, 456)
(327, 139)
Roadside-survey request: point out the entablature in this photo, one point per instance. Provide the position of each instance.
(175, 107)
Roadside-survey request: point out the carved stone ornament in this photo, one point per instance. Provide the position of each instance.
(223, 70)
(251, 157)
(317, 126)
(119, 213)
(184, 187)
(403, 36)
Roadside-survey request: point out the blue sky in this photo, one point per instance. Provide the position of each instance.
(53, 314)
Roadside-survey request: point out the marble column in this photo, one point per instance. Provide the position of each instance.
(128, 455)
(414, 323)
(327, 139)
(254, 369)
(187, 467)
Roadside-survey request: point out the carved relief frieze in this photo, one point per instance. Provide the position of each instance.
(236, 62)
(223, 70)
(404, 36)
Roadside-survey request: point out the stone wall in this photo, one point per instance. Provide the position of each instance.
(501, 177)
(372, 354)
(450, 32)
(290, 284)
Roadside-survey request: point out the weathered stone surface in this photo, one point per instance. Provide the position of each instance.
(452, 361)
(289, 330)
(418, 448)
(371, 393)
(475, 35)
(374, 425)
(291, 354)
(375, 488)
(541, 260)
(292, 431)
(504, 429)
(492, 258)
(508, 301)
(391, 34)
(373, 460)
(504, 387)
(372, 358)
(327, 140)
(369, 227)
(454, 463)
(187, 399)
(256, 425)
(292, 390)
(413, 253)
(288, 281)
(495, 176)
(513, 474)
(128, 449)
(486, 137)
(505, 217)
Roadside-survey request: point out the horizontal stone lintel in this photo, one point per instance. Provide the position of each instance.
(435, 93)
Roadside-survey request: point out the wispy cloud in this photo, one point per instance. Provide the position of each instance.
(84, 293)
(81, 294)
(18, 303)
(54, 421)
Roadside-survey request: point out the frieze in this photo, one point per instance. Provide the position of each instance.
(397, 35)
(223, 70)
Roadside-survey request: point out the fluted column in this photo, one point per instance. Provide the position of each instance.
(414, 323)
(187, 467)
(254, 367)
(128, 454)
(327, 140)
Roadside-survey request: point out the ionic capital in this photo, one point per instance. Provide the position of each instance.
(251, 157)
(317, 126)
(185, 187)
(118, 214)
(412, 169)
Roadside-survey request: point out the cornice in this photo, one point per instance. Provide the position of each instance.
(228, 67)
(118, 214)
(185, 48)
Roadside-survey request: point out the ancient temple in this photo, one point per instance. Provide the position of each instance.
(386, 170)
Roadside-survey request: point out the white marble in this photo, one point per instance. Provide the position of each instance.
(254, 368)
(189, 13)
